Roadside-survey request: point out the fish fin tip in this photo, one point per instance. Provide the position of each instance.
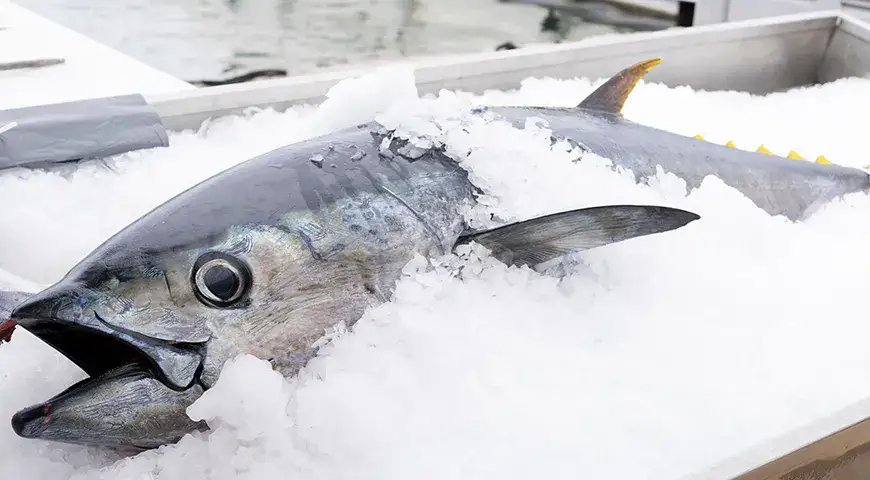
(731, 144)
(611, 96)
(542, 239)
(823, 160)
(764, 150)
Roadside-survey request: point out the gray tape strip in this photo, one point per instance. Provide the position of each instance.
(85, 129)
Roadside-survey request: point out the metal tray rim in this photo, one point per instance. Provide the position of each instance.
(229, 99)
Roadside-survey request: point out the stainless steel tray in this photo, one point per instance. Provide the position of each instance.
(757, 56)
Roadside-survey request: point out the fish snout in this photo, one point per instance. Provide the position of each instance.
(57, 303)
(29, 309)
(62, 317)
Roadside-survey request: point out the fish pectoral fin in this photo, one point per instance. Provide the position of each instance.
(542, 239)
(611, 96)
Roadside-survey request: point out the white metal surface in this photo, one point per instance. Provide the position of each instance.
(857, 8)
(745, 462)
(848, 53)
(758, 56)
(89, 69)
(716, 11)
(746, 9)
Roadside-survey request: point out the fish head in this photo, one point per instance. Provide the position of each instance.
(154, 313)
(152, 330)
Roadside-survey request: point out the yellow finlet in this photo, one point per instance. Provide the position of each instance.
(795, 156)
(792, 154)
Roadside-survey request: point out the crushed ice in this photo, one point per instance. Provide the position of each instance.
(681, 348)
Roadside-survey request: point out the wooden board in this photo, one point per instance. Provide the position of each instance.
(845, 455)
(834, 447)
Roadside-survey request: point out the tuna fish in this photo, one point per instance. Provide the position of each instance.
(266, 256)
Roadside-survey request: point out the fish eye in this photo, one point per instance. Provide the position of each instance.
(220, 280)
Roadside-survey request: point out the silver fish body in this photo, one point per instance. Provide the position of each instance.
(260, 259)
(266, 256)
(779, 186)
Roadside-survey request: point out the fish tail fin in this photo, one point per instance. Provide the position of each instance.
(611, 96)
(544, 238)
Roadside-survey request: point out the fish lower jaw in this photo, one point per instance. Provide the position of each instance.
(84, 383)
(32, 422)
(125, 409)
(103, 357)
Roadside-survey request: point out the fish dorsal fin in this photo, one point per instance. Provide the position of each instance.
(611, 96)
(542, 239)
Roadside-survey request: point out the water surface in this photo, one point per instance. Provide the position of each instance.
(196, 39)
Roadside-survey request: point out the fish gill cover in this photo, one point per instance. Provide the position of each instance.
(676, 350)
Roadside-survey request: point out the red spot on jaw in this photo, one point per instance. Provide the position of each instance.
(6, 328)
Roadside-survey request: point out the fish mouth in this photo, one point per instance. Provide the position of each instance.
(55, 316)
(95, 352)
(111, 356)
